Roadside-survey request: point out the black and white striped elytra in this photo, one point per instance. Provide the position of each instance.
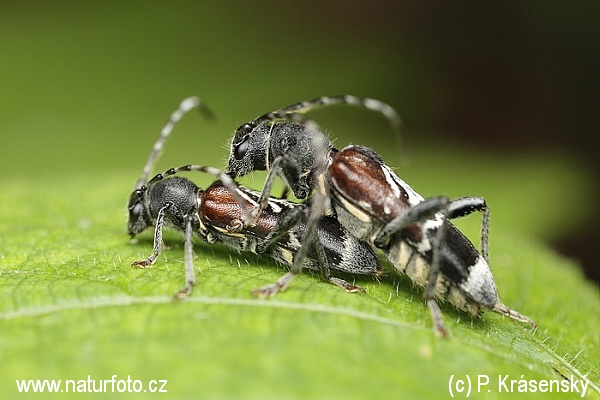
(372, 203)
(412, 230)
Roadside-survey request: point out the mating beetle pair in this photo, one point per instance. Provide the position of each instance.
(215, 214)
(353, 189)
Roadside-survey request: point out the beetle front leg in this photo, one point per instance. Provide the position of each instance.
(317, 210)
(190, 275)
(157, 239)
(289, 169)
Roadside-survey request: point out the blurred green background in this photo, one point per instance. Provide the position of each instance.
(498, 99)
(87, 86)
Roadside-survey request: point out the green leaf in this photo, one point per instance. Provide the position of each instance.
(72, 307)
(85, 89)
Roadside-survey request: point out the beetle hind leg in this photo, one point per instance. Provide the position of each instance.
(502, 309)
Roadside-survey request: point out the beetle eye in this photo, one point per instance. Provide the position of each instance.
(246, 128)
(135, 206)
(240, 149)
(136, 211)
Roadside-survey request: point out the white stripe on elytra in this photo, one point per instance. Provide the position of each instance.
(249, 199)
(398, 185)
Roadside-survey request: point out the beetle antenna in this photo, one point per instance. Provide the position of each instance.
(370, 104)
(185, 106)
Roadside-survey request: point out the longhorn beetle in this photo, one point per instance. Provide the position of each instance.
(372, 203)
(214, 214)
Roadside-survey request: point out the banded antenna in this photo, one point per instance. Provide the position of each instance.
(185, 106)
(305, 106)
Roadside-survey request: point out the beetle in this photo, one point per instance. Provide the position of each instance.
(373, 204)
(214, 214)
(294, 151)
